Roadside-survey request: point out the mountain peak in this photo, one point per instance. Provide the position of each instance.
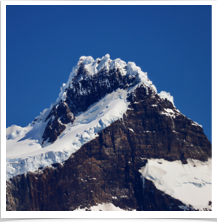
(110, 125)
(87, 67)
(96, 94)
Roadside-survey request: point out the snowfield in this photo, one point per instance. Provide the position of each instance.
(24, 150)
(191, 183)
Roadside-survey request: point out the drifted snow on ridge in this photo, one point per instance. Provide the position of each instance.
(196, 124)
(190, 183)
(14, 131)
(24, 152)
(166, 95)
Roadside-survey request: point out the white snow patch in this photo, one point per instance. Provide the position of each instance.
(168, 112)
(133, 70)
(190, 183)
(196, 124)
(131, 130)
(104, 63)
(101, 207)
(121, 65)
(86, 60)
(166, 95)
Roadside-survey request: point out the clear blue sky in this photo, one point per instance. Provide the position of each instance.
(171, 43)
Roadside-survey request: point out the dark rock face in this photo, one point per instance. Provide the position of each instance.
(171, 137)
(91, 89)
(105, 170)
(58, 116)
(84, 91)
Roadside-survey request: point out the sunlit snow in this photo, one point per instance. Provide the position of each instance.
(101, 207)
(166, 95)
(24, 152)
(191, 183)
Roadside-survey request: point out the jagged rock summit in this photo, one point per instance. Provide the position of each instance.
(112, 141)
(90, 81)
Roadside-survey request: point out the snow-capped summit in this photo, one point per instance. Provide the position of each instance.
(109, 138)
(94, 96)
(93, 67)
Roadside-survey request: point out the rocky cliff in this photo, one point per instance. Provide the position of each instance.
(106, 169)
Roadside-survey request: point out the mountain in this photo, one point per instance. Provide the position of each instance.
(109, 142)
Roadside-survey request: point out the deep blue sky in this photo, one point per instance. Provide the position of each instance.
(171, 43)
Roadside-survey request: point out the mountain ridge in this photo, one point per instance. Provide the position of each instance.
(110, 116)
